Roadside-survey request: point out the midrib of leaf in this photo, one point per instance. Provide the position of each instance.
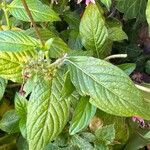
(95, 41)
(90, 76)
(47, 112)
(98, 82)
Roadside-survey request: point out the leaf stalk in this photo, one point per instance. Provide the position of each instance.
(6, 14)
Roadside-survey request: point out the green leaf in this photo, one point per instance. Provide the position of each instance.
(128, 68)
(80, 53)
(3, 84)
(10, 122)
(57, 47)
(74, 40)
(101, 147)
(110, 89)
(105, 135)
(115, 30)
(132, 9)
(81, 143)
(8, 146)
(145, 94)
(7, 139)
(68, 87)
(39, 11)
(20, 105)
(21, 110)
(93, 30)
(137, 140)
(11, 64)
(22, 144)
(45, 33)
(148, 14)
(73, 19)
(120, 125)
(74, 99)
(147, 135)
(62, 139)
(51, 146)
(46, 113)
(16, 41)
(90, 137)
(30, 84)
(107, 3)
(83, 114)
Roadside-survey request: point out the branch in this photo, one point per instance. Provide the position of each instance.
(6, 13)
(59, 61)
(116, 56)
(32, 21)
(145, 89)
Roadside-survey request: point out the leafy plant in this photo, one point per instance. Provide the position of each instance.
(70, 77)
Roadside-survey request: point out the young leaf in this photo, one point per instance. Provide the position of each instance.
(105, 135)
(10, 122)
(81, 143)
(110, 89)
(16, 41)
(83, 114)
(115, 30)
(101, 147)
(3, 84)
(132, 9)
(20, 105)
(107, 3)
(57, 47)
(11, 64)
(39, 11)
(120, 125)
(93, 30)
(46, 113)
(30, 84)
(148, 14)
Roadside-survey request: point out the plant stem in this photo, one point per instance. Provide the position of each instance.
(59, 61)
(145, 89)
(32, 21)
(116, 56)
(6, 14)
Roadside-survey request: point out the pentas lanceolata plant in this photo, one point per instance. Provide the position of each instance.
(68, 75)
